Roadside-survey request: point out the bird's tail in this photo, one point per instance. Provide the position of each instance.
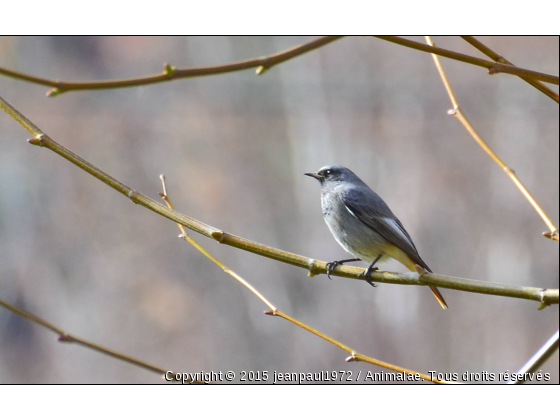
(439, 297)
(419, 269)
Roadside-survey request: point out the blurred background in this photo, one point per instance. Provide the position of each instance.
(234, 148)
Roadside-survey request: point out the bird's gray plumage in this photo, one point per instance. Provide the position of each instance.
(359, 219)
(363, 224)
(372, 211)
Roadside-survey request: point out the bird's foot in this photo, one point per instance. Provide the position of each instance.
(333, 264)
(367, 275)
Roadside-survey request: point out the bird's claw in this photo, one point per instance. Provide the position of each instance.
(367, 275)
(331, 266)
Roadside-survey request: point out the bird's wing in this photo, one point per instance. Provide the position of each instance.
(371, 210)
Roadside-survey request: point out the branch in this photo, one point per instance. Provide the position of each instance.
(501, 59)
(544, 296)
(354, 356)
(490, 65)
(172, 73)
(65, 337)
(457, 112)
(541, 356)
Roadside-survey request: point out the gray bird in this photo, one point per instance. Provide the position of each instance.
(363, 224)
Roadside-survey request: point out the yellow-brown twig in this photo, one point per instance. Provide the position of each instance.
(354, 356)
(184, 235)
(458, 113)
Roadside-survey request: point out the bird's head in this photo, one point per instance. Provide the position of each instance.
(333, 174)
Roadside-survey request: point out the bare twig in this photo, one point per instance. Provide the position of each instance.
(172, 73)
(65, 337)
(458, 113)
(276, 312)
(501, 59)
(541, 356)
(492, 67)
(544, 296)
(184, 235)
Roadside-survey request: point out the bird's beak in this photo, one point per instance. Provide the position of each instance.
(314, 175)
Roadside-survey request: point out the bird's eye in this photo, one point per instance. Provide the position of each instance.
(328, 172)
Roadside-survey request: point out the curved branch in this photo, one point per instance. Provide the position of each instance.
(544, 296)
(492, 67)
(501, 59)
(172, 73)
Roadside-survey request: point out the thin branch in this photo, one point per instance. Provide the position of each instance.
(172, 73)
(264, 63)
(275, 312)
(544, 296)
(358, 357)
(541, 356)
(65, 337)
(184, 235)
(501, 59)
(492, 67)
(458, 113)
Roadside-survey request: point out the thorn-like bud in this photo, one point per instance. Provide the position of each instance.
(543, 299)
(351, 358)
(34, 141)
(217, 235)
(261, 70)
(493, 70)
(312, 268)
(53, 92)
(269, 312)
(168, 69)
(551, 235)
(452, 112)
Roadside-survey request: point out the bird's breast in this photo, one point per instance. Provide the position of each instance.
(352, 234)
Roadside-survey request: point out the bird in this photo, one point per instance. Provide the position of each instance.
(364, 225)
